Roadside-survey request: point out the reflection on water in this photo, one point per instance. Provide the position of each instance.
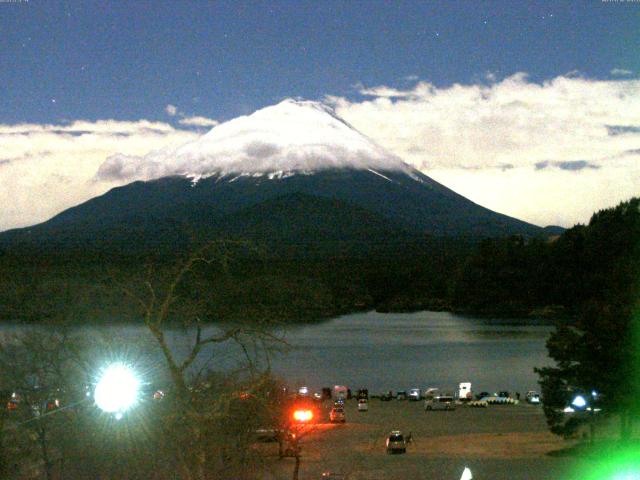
(399, 351)
(388, 351)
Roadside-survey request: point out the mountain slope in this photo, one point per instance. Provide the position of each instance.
(293, 150)
(338, 223)
(168, 209)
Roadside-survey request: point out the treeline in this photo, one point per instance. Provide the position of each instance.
(514, 275)
(309, 281)
(255, 281)
(596, 351)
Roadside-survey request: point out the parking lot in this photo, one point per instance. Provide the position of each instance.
(498, 442)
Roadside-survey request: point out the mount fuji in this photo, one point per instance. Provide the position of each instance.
(293, 173)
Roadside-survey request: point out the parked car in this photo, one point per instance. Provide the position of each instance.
(337, 415)
(401, 395)
(396, 442)
(498, 399)
(533, 397)
(440, 402)
(386, 396)
(431, 392)
(482, 395)
(363, 405)
(415, 394)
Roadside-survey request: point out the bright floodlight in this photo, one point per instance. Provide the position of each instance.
(302, 415)
(117, 390)
(579, 402)
(466, 475)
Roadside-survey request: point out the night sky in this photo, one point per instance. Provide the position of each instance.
(127, 60)
(189, 65)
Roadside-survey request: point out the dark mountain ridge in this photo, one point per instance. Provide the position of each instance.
(169, 211)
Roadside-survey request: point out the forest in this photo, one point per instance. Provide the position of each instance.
(255, 280)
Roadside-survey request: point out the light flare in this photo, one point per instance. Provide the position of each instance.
(302, 415)
(117, 389)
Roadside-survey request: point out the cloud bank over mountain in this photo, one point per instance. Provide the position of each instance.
(546, 153)
(489, 140)
(292, 136)
(45, 169)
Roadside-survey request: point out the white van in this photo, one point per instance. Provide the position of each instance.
(440, 402)
(464, 391)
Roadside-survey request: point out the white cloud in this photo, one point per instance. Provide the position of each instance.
(621, 72)
(171, 110)
(197, 121)
(485, 141)
(549, 153)
(45, 169)
(389, 92)
(290, 136)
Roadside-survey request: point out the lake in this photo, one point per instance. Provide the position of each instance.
(382, 351)
(395, 351)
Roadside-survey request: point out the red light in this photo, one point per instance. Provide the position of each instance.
(302, 415)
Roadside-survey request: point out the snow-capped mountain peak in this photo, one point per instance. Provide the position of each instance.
(292, 137)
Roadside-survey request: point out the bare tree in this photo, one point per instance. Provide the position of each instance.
(197, 407)
(36, 369)
(298, 433)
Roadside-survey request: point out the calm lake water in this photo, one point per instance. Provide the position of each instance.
(399, 351)
(387, 351)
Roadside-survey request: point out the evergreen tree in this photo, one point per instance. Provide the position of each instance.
(598, 351)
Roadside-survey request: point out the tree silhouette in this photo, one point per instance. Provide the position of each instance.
(599, 350)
